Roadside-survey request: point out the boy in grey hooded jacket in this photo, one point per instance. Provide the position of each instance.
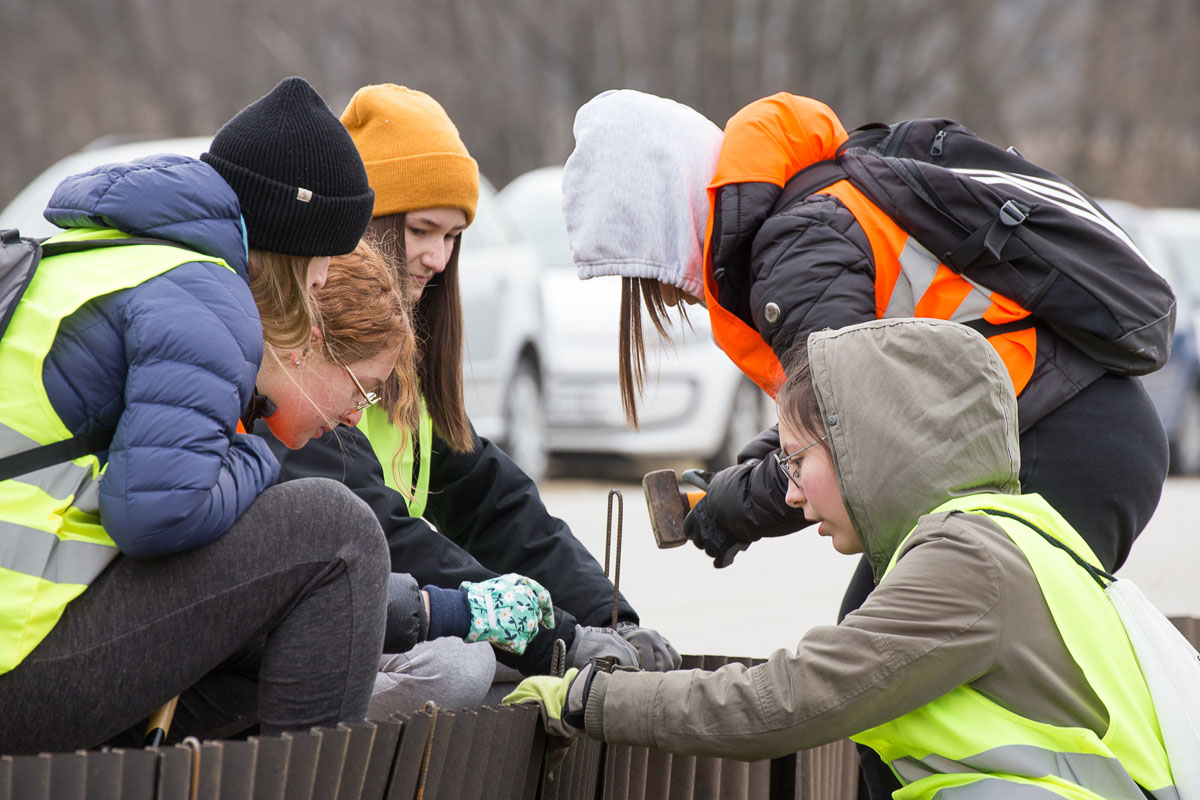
(906, 432)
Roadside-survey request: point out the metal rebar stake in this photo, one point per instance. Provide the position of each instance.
(616, 576)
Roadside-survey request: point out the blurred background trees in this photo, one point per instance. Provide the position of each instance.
(1100, 90)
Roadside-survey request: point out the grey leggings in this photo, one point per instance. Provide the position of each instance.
(278, 622)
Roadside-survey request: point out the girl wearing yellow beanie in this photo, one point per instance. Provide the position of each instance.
(426, 187)
(486, 515)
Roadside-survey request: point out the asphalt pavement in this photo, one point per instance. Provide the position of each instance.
(779, 588)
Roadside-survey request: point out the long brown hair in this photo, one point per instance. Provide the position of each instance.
(631, 345)
(797, 398)
(438, 321)
(362, 310)
(279, 284)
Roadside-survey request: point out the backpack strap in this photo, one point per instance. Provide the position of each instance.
(806, 181)
(1098, 575)
(78, 246)
(826, 173)
(989, 237)
(49, 454)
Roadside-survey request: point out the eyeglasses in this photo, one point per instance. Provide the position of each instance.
(785, 462)
(368, 398)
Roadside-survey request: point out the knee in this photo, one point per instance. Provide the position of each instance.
(333, 519)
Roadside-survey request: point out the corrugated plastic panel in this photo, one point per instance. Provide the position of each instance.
(239, 761)
(383, 754)
(271, 768)
(302, 765)
(407, 771)
(68, 777)
(31, 777)
(174, 772)
(358, 754)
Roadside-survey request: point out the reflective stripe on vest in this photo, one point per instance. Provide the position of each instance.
(51, 542)
(911, 282)
(964, 745)
(387, 441)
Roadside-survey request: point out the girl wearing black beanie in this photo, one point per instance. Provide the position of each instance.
(166, 561)
(304, 196)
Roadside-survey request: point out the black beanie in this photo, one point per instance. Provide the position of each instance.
(297, 174)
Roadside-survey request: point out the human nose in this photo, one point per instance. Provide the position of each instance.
(795, 495)
(435, 258)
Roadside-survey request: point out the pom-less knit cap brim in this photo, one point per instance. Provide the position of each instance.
(300, 182)
(413, 154)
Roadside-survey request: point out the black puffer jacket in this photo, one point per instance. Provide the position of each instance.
(778, 274)
(489, 520)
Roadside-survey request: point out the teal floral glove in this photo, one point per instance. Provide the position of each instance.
(506, 611)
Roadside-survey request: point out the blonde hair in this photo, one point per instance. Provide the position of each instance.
(279, 283)
(362, 311)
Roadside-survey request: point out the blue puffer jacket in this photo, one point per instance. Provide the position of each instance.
(170, 363)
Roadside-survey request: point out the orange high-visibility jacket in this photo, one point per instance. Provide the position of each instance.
(834, 259)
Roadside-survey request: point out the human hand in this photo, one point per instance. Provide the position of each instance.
(654, 651)
(700, 527)
(561, 701)
(601, 643)
(505, 611)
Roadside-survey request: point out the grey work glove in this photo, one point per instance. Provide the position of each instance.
(702, 529)
(561, 701)
(600, 643)
(655, 652)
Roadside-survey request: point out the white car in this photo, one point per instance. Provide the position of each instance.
(697, 404)
(499, 277)
(1167, 240)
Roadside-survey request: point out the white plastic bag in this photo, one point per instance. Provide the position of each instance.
(1171, 668)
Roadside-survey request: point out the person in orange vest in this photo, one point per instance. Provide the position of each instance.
(657, 194)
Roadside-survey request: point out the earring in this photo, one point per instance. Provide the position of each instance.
(295, 361)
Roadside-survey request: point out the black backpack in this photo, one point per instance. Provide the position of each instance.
(1014, 228)
(19, 258)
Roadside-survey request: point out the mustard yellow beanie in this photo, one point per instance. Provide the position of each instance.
(412, 151)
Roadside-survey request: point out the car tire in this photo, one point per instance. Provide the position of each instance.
(746, 420)
(524, 421)
(1185, 449)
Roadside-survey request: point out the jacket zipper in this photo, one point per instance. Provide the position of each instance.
(938, 140)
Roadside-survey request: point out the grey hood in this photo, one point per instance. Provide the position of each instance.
(918, 411)
(635, 188)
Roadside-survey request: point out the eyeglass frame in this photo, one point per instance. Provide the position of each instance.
(368, 398)
(785, 461)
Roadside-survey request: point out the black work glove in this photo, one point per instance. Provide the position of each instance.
(702, 529)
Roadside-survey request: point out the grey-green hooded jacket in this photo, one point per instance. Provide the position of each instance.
(909, 428)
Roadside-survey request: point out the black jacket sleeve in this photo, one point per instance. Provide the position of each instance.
(747, 500)
(346, 456)
(812, 261)
(487, 505)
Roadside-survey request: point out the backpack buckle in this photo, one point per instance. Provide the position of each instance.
(1012, 214)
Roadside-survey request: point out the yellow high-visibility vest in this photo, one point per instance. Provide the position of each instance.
(52, 543)
(387, 441)
(964, 745)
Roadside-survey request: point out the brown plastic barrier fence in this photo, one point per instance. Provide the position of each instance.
(485, 753)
